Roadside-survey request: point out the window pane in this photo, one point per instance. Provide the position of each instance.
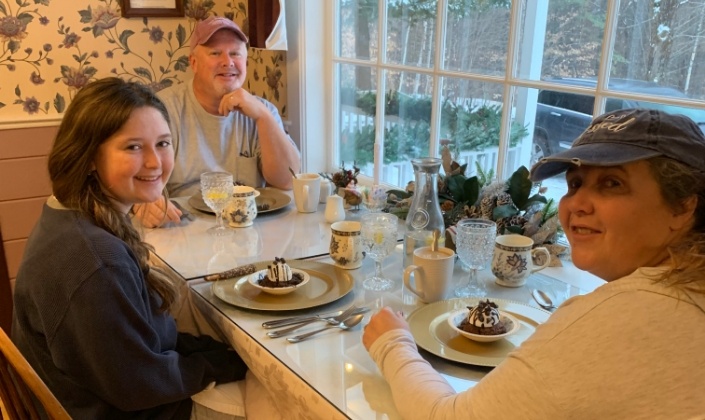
(357, 116)
(407, 117)
(664, 44)
(411, 28)
(358, 29)
(471, 114)
(476, 36)
(695, 114)
(561, 38)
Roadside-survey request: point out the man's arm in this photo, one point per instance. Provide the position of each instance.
(278, 153)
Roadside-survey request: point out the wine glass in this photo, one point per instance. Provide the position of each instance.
(217, 188)
(474, 244)
(379, 237)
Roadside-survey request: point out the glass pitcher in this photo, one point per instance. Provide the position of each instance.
(425, 212)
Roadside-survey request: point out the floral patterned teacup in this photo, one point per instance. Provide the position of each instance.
(346, 244)
(513, 259)
(241, 210)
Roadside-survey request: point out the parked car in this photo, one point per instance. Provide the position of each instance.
(562, 116)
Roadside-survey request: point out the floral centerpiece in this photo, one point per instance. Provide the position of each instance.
(345, 183)
(517, 205)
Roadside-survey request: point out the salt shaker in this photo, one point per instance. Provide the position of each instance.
(335, 210)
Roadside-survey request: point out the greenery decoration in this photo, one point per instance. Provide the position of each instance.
(517, 205)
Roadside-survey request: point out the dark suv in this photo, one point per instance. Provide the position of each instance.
(561, 116)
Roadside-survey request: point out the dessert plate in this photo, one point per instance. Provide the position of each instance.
(271, 197)
(455, 318)
(253, 279)
(431, 331)
(327, 283)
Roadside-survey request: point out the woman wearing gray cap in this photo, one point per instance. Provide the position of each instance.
(634, 215)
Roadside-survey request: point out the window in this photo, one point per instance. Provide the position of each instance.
(501, 83)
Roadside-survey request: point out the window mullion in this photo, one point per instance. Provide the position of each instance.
(435, 128)
(381, 91)
(606, 55)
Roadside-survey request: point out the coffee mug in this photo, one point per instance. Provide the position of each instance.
(433, 273)
(307, 189)
(513, 259)
(346, 244)
(241, 210)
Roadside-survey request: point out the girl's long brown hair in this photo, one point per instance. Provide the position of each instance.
(97, 112)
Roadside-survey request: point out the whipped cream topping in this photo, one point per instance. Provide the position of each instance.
(484, 315)
(279, 271)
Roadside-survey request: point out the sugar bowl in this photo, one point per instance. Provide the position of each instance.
(241, 210)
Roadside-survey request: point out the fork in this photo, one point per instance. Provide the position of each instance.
(332, 320)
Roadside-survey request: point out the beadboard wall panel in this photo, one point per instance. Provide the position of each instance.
(24, 187)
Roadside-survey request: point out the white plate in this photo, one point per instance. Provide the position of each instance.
(455, 318)
(328, 283)
(272, 197)
(253, 279)
(429, 326)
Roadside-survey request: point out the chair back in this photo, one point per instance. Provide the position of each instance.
(5, 289)
(19, 384)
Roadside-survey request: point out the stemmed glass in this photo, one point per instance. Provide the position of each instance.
(374, 198)
(217, 188)
(474, 244)
(379, 237)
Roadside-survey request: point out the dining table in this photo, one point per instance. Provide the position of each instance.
(331, 375)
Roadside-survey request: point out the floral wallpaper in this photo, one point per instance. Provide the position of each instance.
(49, 51)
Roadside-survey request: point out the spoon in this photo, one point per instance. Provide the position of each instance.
(434, 244)
(291, 171)
(345, 325)
(543, 299)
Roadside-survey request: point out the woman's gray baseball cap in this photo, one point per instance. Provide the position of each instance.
(628, 135)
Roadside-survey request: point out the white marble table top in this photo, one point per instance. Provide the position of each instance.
(193, 253)
(330, 375)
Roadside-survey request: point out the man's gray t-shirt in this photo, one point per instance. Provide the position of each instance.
(204, 142)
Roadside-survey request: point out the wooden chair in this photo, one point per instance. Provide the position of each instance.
(19, 383)
(5, 290)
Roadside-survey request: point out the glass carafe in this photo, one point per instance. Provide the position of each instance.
(425, 212)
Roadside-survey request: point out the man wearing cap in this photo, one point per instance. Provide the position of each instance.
(218, 126)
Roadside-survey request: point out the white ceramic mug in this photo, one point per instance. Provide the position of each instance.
(346, 244)
(513, 259)
(433, 273)
(241, 210)
(307, 189)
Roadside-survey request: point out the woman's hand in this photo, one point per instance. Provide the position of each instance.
(383, 321)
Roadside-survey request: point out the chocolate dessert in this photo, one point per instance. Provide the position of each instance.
(279, 274)
(484, 319)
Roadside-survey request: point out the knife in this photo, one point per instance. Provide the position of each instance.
(185, 214)
(306, 318)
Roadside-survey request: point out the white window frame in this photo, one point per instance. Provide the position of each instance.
(313, 86)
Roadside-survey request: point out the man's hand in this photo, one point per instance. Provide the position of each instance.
(242, 101)
(383, 321)
(153, 215)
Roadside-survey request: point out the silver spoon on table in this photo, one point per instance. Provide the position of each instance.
(543, 299)
(345, 325)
